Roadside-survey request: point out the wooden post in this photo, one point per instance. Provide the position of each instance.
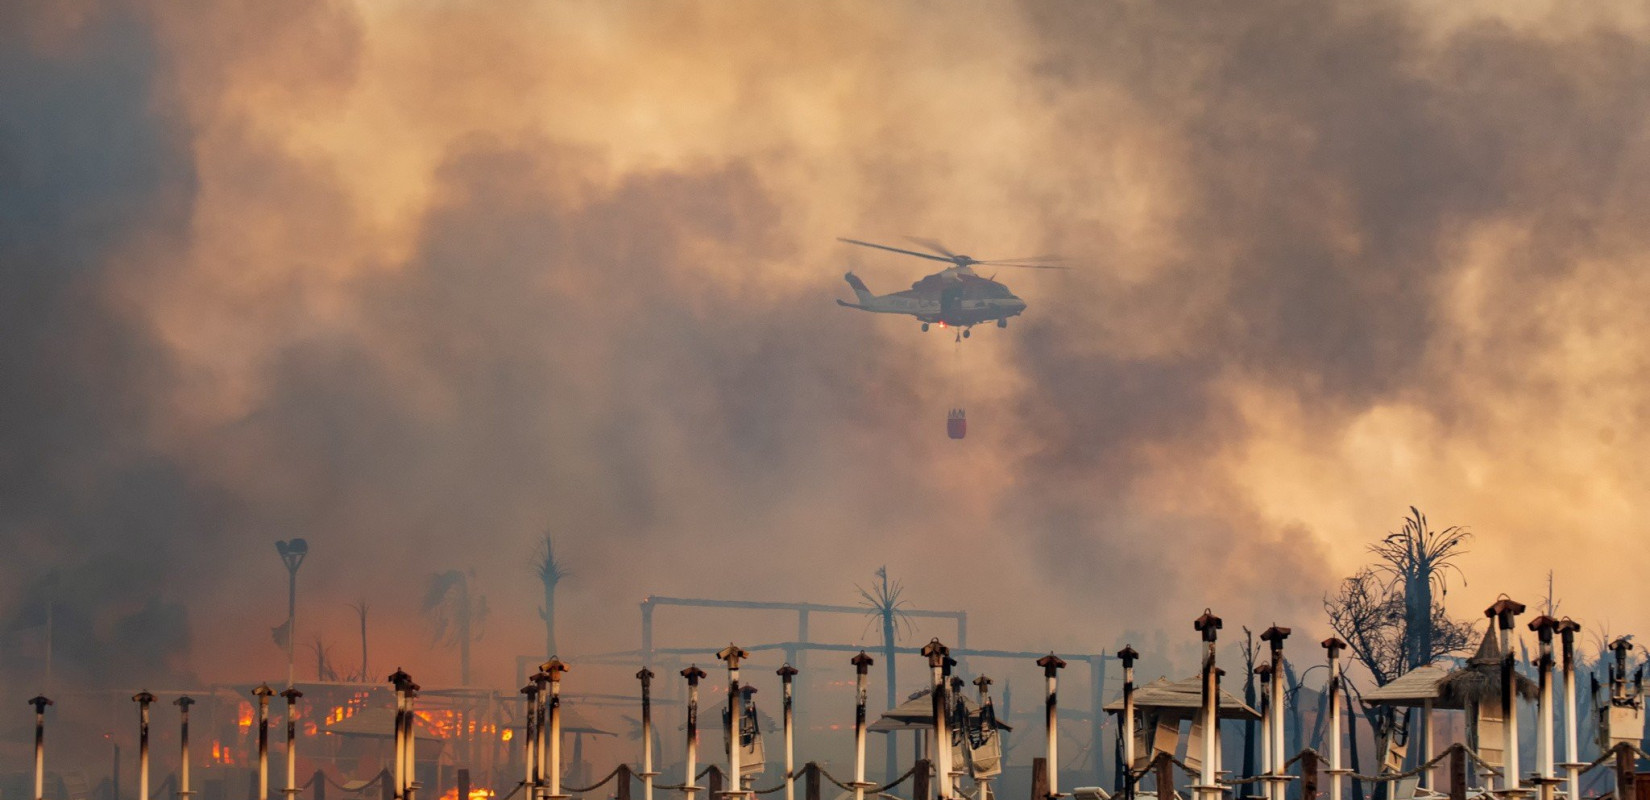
(1039, 778)
(1624, 773)
(1309, 775)
(810, 781)
(714, 780)
(386, 784)
(1165, 777)
(318, 786)
(1458, 773)
(620, 791)
(920, 786)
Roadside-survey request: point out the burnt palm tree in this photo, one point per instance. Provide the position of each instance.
(1420, 559)
(550, 572)
(883, 604)
(456, 616)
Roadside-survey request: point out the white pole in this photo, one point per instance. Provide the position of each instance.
(1334, 646)
(1503, 612)
(1127, 655)
(400, 680)
(1208, 779)
(646, 677)
(862, 665)
(40, 703)
(1265, 673)
(736, 712)
(1052, 664)
(183, 704)
(1426, 742)
(409, 740)
(263, 693)
(554, 668)
(786, 673)
(1275, 636)
(937, 653)
(690, 783)
(292, 695)
(143, 700)
(1572, 783)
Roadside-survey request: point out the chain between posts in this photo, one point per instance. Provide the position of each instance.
(873, 790)
(593, 787)
(1135, 778)
(676, 787)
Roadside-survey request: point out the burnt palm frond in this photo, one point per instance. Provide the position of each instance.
(549, 570)
(1416, 550)
(884, 603)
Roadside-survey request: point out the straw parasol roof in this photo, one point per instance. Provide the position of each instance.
(1182, 698)
(1413, 688)
(1479, 681)
(917, 714)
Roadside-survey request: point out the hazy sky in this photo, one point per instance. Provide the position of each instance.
(419, 281)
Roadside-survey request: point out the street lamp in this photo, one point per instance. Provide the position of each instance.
(292, 554)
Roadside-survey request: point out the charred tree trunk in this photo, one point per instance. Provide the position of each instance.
(1352, 746)
(891, 751)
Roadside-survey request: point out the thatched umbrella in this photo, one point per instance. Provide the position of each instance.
(1478, 682)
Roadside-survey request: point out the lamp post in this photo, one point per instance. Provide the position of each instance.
(1052, 664)
(403, 684)
(736, 712)
(144, 700)
(409, 732)
(1128, 656)
(183, 703)
(40, 703)
(937, 654)
(1263, 671)
(530, 751)
(1209, 625)
(554, 668)
(292, 555)
(263, 693)
(646, 677)
(1567, 629)
(541, 744)
(786, 673)
(690, 784)
(1502, 614)
(1274, 637)
(291, 694)
(1334, 646)
(1544, 626)
(862, 665)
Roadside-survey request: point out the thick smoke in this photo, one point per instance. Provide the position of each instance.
(419, 284)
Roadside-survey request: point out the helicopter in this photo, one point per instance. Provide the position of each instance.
(955, 297)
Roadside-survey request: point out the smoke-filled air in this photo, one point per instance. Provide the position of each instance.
(519, 313)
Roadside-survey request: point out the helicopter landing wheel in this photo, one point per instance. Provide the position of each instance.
(965, 334)
(1002, 323)
(925, 327)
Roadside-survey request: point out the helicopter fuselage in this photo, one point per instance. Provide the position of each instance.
(955, 297)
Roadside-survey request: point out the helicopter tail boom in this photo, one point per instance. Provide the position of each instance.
(864, 294)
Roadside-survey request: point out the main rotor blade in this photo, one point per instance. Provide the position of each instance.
(895, 249)
(1039, 259)
(1021, 266)
(933, 245)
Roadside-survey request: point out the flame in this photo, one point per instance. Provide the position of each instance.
(244, 715)
(475, 794)
(507, 735)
